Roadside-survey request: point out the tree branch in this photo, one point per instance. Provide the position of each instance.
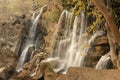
(109, 19)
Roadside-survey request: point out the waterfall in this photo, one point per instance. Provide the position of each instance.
(38, 61)
(103, 62)
(71, 50)
(30, 41)
(95, 35)
(23, 56)
(72, 47)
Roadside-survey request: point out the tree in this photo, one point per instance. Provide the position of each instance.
(113, 32)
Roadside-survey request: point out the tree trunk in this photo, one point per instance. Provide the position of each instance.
(109, 19)
(113, 53)
(113, 32)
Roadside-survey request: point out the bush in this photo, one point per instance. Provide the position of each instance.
(55, 13)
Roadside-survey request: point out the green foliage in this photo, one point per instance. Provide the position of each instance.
(98, 19)
(84, 5)
(76, 5)
(55, 13)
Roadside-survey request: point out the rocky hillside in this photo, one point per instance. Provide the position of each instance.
(15, 24)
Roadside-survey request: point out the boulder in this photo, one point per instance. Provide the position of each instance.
(89, 74)
(3, 74)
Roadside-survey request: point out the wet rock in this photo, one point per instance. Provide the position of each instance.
(32, 70)
(35, 69)
(20, 45)
(102, 40)
(39, 41)
(29, 53)
(100, 47)
(22, 38)
(3, 74)
(94, 54)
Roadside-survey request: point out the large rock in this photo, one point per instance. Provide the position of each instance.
(3, 74)
(49, 74)
(90, 74)
(94, 55)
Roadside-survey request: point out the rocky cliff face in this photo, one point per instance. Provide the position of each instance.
(15, 30)
(10, 31)
(13, 35)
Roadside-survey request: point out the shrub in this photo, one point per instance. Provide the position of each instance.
(55, 13)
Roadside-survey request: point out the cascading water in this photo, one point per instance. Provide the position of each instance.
(103, 62)
(73, 44)
(30, 41)
(95, 35)
(72, 49)
(23, 56)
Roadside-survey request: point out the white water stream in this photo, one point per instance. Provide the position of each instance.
(72, 49)
(30, 39)
(103, 62)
